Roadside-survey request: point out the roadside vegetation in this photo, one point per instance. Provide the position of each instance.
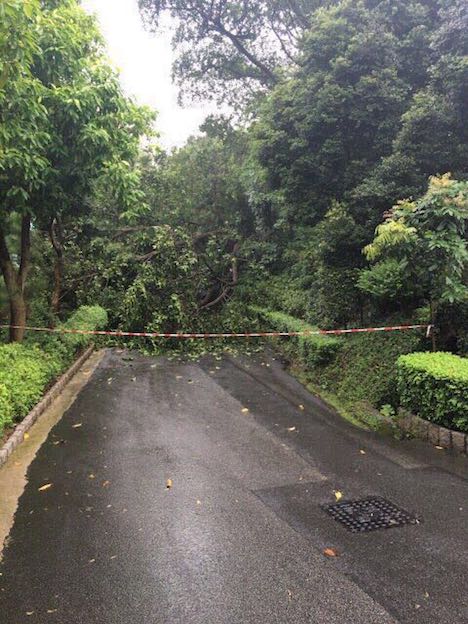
(334, 196)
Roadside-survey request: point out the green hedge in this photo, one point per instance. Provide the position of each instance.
(313, 351)
(435, 387)
(27, 369)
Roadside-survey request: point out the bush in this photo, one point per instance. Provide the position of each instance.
(314, 350)
(435, 387)
(27, 369)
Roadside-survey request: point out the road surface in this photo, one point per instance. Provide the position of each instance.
(239, 535)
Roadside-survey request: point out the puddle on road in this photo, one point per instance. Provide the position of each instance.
(13, 473)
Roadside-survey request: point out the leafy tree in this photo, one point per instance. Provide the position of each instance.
(24, 136)
(428, 238)
(321, 132)
(229, 49)
(90, 130)
(433, 135)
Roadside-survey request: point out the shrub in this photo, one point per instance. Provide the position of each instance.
(86, 318)
(314, 350)
(435, 387)
(27, 369)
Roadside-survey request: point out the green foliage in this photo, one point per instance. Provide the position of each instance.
(27, 369)
(230, 49)
(435, 387)
(313, 350)
(389, 280)
(86, 318)
(427, 238)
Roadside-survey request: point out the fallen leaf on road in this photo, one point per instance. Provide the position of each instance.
(338, 495)
(245, 410)
(133, 378)
(439, 448)
(291, 428)
(29, 612)
(45, 487)
(169, 484)
(77, 426)
(52, 610)
(330, 552)
(106, 484)
(198, 502)
(92, 561)
(302, 408)
(26, 436)
(91, 476)
(362, 452)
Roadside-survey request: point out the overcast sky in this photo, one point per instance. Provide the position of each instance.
(144, 61)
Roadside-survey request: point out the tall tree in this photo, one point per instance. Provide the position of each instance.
(24, 136)
(322, 131)
(227, 49)
(89, 130)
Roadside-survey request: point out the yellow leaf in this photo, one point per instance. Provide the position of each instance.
(245, 410)
(26, 436)
(169, 484)
(45, 487)
(338, 495)
(330, 552)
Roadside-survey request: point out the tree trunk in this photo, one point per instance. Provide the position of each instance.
(17, 317)
(15, 279)
(56, 238)
(433, 307)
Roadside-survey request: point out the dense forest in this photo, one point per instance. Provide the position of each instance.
(335, 191)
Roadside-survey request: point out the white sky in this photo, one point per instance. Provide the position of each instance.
(145, 61)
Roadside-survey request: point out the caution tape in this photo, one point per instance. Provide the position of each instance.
(192, 336)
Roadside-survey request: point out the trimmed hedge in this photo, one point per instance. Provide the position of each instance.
(435, 387)
(312, 350)
(27, 369)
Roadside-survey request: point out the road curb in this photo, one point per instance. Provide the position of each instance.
(23, 427)
(430, 432)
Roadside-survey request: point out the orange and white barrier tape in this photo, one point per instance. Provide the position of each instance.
(183, 336)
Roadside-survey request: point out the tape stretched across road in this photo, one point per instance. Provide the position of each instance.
(182, 336)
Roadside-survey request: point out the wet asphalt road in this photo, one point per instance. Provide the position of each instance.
(239, 537)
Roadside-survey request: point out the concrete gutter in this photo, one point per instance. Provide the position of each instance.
(25, 425)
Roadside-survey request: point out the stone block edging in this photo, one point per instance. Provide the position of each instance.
(435, 434)
(23, 427)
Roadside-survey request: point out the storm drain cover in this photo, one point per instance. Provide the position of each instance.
(369, 514)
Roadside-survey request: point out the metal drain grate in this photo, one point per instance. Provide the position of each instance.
(369, 514)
